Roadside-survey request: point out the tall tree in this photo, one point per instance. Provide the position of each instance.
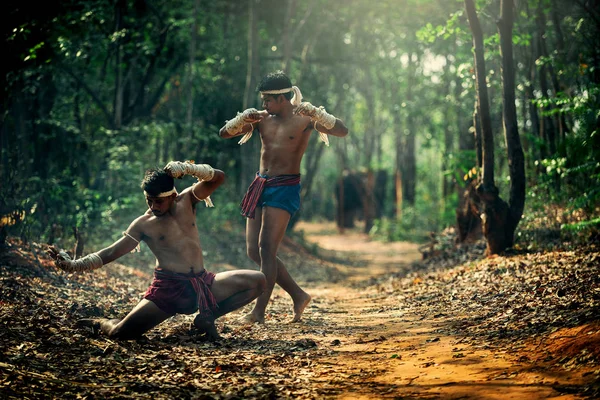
(516, 159)
(248, 154)
(499, 221)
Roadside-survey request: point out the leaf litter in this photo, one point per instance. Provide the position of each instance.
(541, 307)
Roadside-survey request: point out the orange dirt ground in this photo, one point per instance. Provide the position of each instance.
(382, 352)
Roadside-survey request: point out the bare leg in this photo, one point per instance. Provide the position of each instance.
(232, 290)
(284, 279)
(287, 283)
(266, 235)
(145, 316)
(252, 233)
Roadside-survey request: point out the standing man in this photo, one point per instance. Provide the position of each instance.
(285, 126)
(181, 285)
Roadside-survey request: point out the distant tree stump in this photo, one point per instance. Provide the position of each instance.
(468, 218)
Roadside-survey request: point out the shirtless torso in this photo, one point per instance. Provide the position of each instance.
(284, 141)
(173, 238)
(285, 130)
(180, 283)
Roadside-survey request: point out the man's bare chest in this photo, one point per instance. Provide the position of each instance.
(284, 134)
(168, 231)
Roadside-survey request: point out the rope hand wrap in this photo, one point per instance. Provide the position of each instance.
(202, 172)
(235, 125)
(317, 114)
(87, 263)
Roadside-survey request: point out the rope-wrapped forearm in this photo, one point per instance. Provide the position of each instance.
(235, 125)
(87, 263)
(317, 114)
(203, 172)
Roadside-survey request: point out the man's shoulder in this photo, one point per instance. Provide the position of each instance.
(143, 219)
(184, 199)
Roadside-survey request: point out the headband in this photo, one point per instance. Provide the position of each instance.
(297, 94)
(276, 91)
(163, 194)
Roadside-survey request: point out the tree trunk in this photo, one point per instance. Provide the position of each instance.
(399, 157)
(119, 86)
(560, 46)
(477, 139)
(448, 179)
(547, 126)
(369, 201)
(468, 221)
(287, 39)
(483, 107)
(190, 78)
(492, 209)
(248, 154)
(409, 172)
(466, 137)
(516, 159)
(530, 97)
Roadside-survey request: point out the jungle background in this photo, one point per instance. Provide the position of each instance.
(96, 92)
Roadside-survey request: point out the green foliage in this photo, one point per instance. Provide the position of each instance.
(582, 225)
(412, 226)
(98, 91)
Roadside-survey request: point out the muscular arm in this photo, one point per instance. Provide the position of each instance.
(100, 258)
(322, 119)
(247, 120)
(245, 129)
(209, 178)
(202, 190)
(117, 250)
(130, 240)
(339, 129)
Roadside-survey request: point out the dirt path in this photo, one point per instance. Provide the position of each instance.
(382, 352)
(365, 335)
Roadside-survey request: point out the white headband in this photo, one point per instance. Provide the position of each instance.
(163, 194)
(297, 94)
(277, 91)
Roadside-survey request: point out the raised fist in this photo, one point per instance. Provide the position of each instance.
(306, 109)
(175, 169)
(251, 116)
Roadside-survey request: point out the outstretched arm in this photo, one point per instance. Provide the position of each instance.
(323, 121)
(94, 260)
(243, 123)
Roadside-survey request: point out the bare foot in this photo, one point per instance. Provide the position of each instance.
(252, 318)
(207, 327)
(299, 306)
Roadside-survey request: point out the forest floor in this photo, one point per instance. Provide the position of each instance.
(383, 323)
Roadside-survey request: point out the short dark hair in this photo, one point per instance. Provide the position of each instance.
(156, 181)
(274, 81)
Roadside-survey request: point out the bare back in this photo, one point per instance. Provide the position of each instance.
(284, 141)
(173, 238)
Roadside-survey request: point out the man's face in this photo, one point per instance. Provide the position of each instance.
(270, 103)
(159, 205)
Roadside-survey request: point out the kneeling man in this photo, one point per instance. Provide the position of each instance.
(181, 285)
